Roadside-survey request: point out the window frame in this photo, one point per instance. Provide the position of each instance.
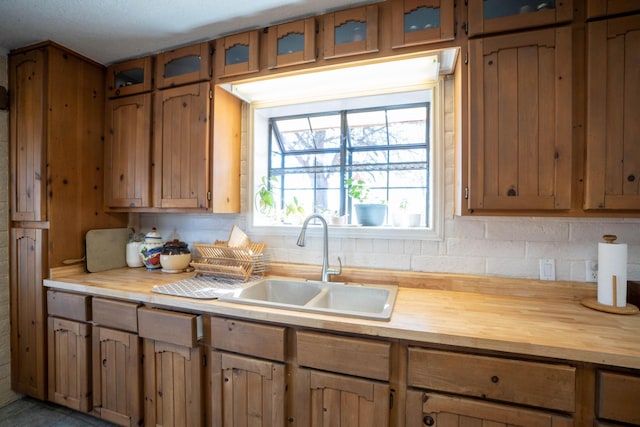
(257, 118)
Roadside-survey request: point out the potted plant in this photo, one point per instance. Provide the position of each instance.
(265, 200)
(369, 214)
(401, 216)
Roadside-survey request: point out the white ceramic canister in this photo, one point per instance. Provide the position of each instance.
(151, 249)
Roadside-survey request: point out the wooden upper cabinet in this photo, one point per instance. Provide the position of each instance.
(417, 22)
(599, 8)
(181, 147)
(237, 54)
(185, 65)
(491, 16)
(292, 43)
(351, 32)
(613, 111)
(127, 156)
(28, 140)
(130, 77)
(520, 121)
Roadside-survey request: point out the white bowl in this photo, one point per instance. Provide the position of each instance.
(175, 263)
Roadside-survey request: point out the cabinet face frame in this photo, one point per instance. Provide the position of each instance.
(145, 64)
(28, 155)
(201, 51)
(305, 28)
(612, 168)
(496, 145)
(250, 39)
(365, 14)
(563, 12)
(127, 152)
(444, 32)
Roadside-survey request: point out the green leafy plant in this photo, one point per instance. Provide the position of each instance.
(357, 189)
(294, 208)
(265, 199)
(404, 204)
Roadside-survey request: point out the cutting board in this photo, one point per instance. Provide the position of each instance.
(106, 249)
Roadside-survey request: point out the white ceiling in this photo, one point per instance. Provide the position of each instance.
(109, 31)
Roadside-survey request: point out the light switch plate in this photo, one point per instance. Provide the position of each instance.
(547, 269)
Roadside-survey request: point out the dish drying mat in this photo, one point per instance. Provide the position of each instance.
(202, 287)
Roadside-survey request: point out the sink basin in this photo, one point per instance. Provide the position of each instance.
(339, 299)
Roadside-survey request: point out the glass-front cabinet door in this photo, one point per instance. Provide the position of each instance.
(417, 22)
(129, 77)
(351, 32)
(237, 54)
(491, 16)
(188, 64)
(292, 43)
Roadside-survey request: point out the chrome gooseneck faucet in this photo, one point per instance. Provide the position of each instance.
(326, 271)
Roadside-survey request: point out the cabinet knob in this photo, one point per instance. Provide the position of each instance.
(104, 363)
(428, 420)
(512, 192)
(631, 178)
(495, 379)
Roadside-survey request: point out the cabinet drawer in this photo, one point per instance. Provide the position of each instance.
(69, 305)
(169, 326)
(618, 397)
(352, 356)
(264, 341)
(115, 314)
(529, 383)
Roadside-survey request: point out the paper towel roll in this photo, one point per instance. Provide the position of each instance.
(612, 261)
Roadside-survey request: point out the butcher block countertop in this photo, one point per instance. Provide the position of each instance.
(553, 327)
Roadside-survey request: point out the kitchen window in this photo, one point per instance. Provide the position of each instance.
(309, 134)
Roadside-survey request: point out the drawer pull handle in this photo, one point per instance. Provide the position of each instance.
(104, 363)
(428, 420)
(495, 379)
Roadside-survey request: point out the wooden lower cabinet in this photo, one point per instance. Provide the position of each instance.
(618, 397)
(69, 366)
(325, 399)
(246, 391)
(433, 409)
(117, 376)
(173, 373)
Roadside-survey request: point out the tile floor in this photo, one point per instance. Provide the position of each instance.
(28, 412)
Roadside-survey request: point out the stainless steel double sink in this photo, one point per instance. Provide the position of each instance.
(340, 299)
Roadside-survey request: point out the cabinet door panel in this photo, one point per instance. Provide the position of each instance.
(28, 156)
(336, 400)
(449, 411)
(69, 354)
(520, 130)
(181, 147)
(28, 312)
(128, 152)
(172, 385)
(117, 379)
(247, 391)
(613, 131)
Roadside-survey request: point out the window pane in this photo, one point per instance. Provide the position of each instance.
(326, 131)
(367, 128)
(295, 134)
(408, 178)
(408, 155)
(407, 126)
(370, 157)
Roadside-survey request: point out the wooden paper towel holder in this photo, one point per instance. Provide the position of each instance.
(595, 305)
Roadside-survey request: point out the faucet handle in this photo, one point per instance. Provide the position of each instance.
(333, 271)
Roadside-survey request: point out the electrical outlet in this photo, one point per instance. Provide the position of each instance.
(547, 269)
(591, 270)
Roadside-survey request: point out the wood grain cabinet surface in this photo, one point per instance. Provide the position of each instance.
(237, 54)
(486, 16)
(181, 147)
(415, 22)
(351, 32)
(600, 8)
(612, 172)
(130, 77)
(291, 43)
(520, 148)
(127, 155)
(28, 311)
(185, 65)
(619, 397)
